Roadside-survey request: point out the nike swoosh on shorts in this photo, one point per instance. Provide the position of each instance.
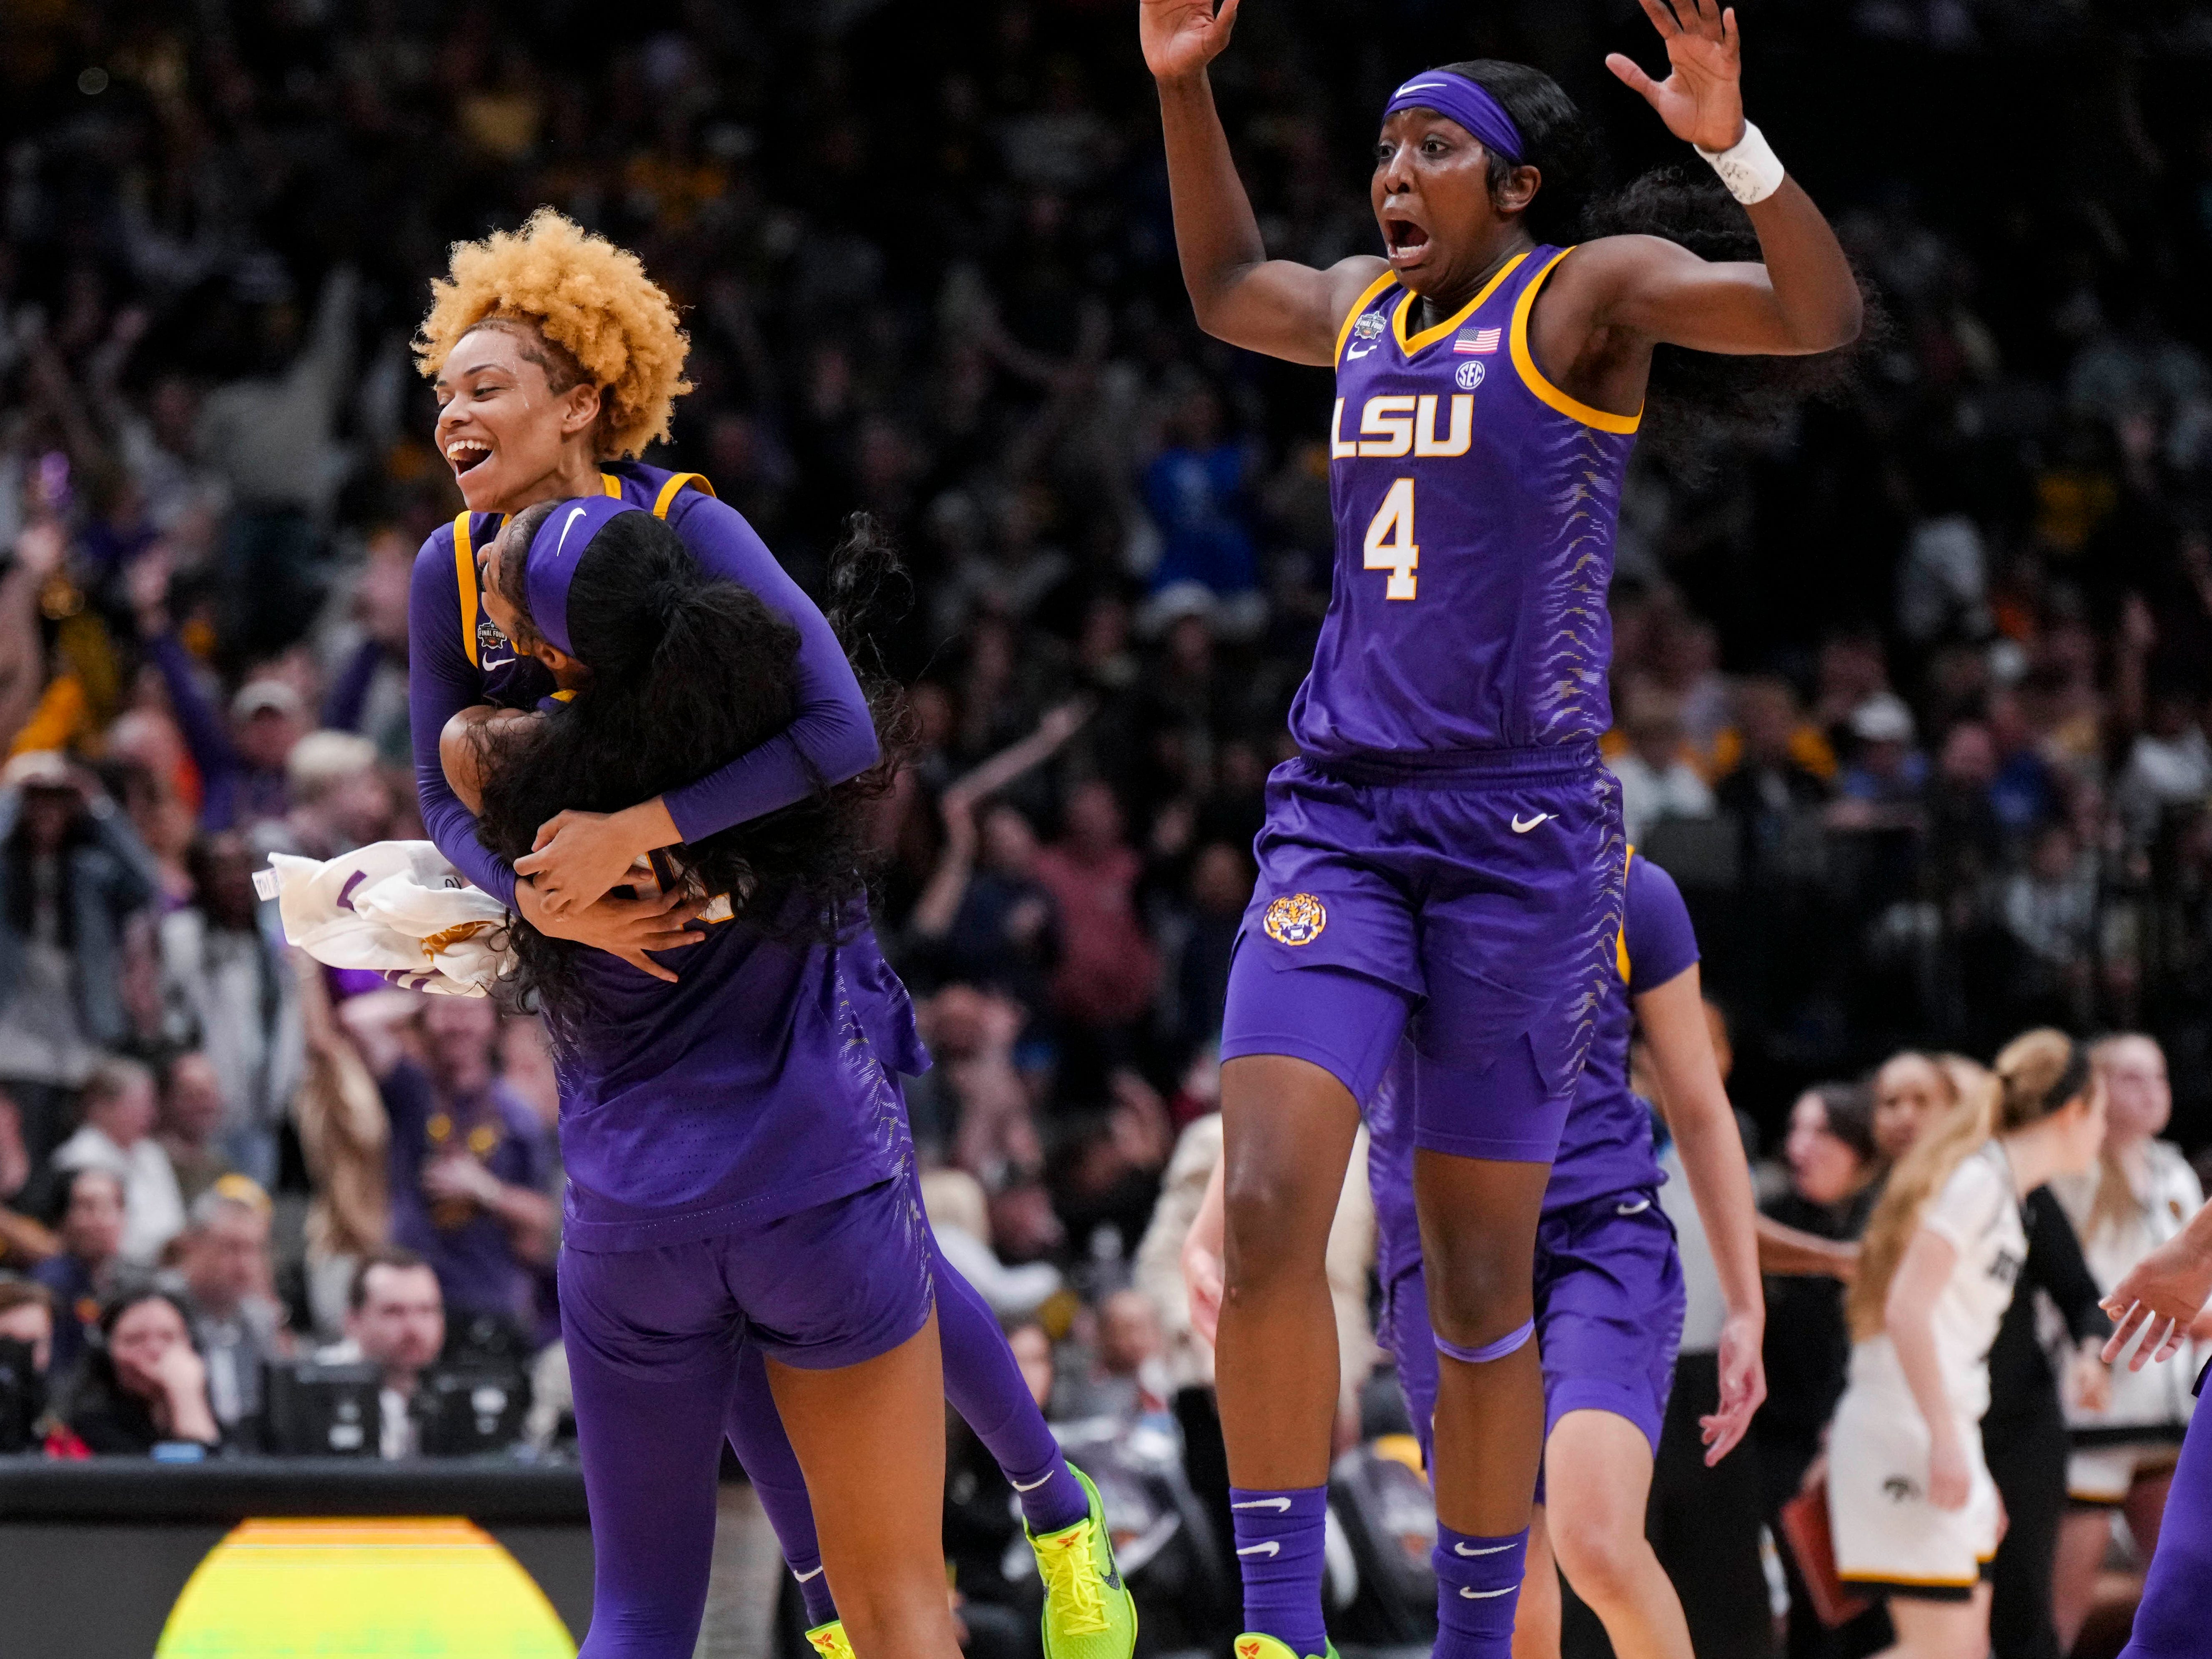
(1521, 829)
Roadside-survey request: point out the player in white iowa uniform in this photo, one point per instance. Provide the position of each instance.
(1914, 1512)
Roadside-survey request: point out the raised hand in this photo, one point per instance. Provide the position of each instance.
(1182, 37)
(1701, 101)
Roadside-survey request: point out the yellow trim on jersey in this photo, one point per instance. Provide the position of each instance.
(1620, 938)
(1533, 378)
(610, 485)
(675, 484)
(1428, 337)
(1359, 309)
(564, 696)
(465, 569)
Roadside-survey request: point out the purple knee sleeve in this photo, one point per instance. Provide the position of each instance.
(1510, 1342)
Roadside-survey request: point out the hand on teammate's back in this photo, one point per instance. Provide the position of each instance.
(624, 928)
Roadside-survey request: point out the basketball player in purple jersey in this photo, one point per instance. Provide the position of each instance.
(2167, 1294)
(1608, 1283)
(556, 356)
(1444, 860)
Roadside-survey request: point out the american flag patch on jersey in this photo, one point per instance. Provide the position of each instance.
(1475, 342)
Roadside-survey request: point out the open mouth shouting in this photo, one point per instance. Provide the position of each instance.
(1408, 242)
(466, 454)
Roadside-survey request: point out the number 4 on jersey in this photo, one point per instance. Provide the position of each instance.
(1390, 544)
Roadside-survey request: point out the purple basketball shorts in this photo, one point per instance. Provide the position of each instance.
(831, 1285)
(1474, 908)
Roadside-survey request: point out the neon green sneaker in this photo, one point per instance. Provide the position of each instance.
(1253, 1646)
(1089, 1613)
(831, 1641)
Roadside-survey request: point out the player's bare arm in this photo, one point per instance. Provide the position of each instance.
(1273, 306)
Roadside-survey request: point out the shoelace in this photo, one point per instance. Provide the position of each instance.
(1070, 1576)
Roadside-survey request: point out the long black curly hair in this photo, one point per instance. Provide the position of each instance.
(1695, 402)
(687, 672)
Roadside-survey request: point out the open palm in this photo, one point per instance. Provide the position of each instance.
(1182, 37)
(1701, 101)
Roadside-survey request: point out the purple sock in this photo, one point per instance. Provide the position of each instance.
(755, 1431)
(1477, 1589)
(985, 1384)
(1280, 1540)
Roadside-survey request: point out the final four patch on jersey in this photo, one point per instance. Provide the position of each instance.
(1370, 325)
(1295, 919)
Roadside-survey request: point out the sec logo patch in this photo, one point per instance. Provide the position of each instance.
(1295, 919)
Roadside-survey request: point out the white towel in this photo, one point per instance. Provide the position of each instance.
(395, 908)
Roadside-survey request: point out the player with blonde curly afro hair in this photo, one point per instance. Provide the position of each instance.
(557, 360)
(584, 306)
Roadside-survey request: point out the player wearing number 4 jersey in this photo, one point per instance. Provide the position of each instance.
(1442, 861)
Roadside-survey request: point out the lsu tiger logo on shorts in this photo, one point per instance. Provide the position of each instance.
(1295, 919)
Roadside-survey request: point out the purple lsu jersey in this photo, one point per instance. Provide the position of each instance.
(1475, 504)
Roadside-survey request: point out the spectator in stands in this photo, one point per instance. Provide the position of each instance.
(2024, 792)
(1033, 1352)
(73, 874)
(224, 1282)
(1657, 781)
(1107, 967)
(1195, 491)
(960, 1216)
(344, 1139)
(973, 1101)
(1886, 770)
(1220, 886)
(339, 798)
(396, 1321)
(225, 991)
(145, 1385)
(23, 1241)
(192, 1115)
(1126, 1375)
(118, 1135)
(89, 1216)
(1770, 781)
(469, 1169)
(242, 758)
(27, 1316)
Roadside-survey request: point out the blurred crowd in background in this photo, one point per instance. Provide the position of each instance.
(1912, 693)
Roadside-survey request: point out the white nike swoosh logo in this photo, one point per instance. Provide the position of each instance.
(1032, 1486)
(1519, 828)
(1495, 1549)
(1636, 1208)
(803, 1577)
(1279, 1505)
(1484, 1595)
(575, 513)
(1267, 1548)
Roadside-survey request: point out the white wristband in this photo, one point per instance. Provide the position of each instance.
(1748, 168)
